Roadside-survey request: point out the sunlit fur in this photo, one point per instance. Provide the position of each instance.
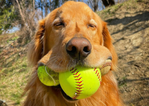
(48, 47)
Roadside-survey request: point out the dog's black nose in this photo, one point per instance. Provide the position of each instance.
(78, 48)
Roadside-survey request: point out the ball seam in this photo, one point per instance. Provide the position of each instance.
(50, 76)
(105, 65)
(79, 82)
(97, 73)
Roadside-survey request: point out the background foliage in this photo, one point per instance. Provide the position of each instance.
(24, 14)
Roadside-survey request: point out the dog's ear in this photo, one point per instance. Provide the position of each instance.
(108, 43)
(36, 46)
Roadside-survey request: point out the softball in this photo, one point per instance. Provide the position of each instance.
(47, 76)
(80, 82)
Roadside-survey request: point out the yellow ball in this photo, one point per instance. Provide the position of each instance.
(47, 76)
(80, 82)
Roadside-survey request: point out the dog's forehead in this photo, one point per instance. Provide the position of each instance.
(74, 9)
(71, 5)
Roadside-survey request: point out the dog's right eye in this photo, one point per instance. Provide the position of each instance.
(59, 24)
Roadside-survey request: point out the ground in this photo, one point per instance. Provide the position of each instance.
(128, 24)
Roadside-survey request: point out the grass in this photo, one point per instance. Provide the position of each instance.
(122, 83)
(12, 39)
(112, 11)
(13, 81)
(13, 71)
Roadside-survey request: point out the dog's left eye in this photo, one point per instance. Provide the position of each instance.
(59, 24)
(91, 25)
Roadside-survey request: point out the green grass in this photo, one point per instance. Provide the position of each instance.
(14, 72)
(12, 39)
(112, 11)
(15, 38)
(13, 81)
(122, 83)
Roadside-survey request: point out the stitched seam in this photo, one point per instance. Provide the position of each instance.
(79, 82)
(107, 64)
(97, 73)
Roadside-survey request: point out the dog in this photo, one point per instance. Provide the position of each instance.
(72, 35)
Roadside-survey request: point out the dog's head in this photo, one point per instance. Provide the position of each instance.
(72, 35)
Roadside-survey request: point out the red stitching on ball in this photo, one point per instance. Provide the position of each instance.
(75, 96)
(74, 71)
(77, 76)
(99, 77)
(107, 64)
(79, 89)
(79, 83)
(97, 73)
(71, 69)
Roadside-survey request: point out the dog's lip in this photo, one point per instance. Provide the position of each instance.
(107, 63)
(65, 96)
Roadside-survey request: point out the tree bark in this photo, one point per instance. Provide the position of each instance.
(107, 3)
(46, 8)
(95, 5)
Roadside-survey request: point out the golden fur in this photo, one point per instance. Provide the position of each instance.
(48, 47)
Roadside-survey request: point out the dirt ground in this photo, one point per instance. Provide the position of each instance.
(129, 27)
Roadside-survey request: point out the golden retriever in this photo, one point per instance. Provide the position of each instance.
(72, 35)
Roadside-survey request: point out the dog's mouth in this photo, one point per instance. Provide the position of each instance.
(104, 69)
(64, 95)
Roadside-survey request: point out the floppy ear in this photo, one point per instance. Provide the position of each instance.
(108, 43)
(36, 46)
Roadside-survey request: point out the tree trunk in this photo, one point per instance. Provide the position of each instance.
(95, 5)
(107, 3)
(46, 8)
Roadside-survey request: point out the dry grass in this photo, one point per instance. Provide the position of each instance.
(120, 8)
(13, 71)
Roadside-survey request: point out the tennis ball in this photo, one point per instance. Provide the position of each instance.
(105, 68)
(80, 82)
(47, 76)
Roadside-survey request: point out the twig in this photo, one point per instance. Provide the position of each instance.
(23, 18)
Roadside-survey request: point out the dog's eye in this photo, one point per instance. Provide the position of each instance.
(91, 25)
(59, 24)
